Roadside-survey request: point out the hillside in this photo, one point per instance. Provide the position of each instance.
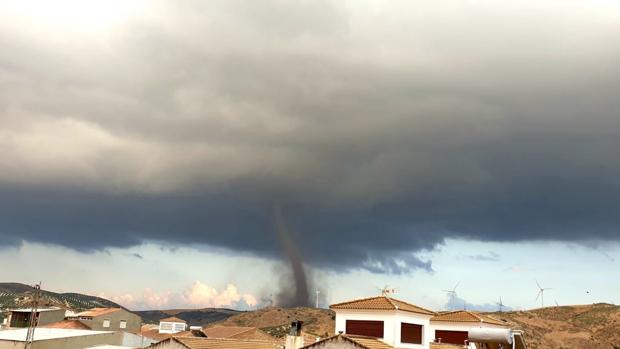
(194, 317)
(567, 327)
(579, 326)
(14, 295)
(277, 320)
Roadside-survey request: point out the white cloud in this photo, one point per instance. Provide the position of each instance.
(197, 295)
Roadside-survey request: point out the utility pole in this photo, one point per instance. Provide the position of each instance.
(34, 316)
(317, 298)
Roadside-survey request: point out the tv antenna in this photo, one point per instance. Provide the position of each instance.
(541, 294)
(386, 290)
(34, 316)
(452, 294)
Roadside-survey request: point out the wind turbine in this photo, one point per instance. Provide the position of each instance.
(541, 294)
(452, 294)
(500, 304)
(317, 298)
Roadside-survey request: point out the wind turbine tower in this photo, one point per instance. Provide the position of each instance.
(500, 304)
(541, 294)
(317, 298)
(452, 295)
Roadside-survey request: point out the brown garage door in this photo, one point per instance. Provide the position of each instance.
(365, 328)
(453, 337)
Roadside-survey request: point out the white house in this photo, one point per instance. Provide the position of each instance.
(397, 323)
(172, 325)
(403, 325)
(453, 326)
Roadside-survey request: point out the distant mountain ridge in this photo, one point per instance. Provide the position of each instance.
(561, 327)
(194, 317)
(15, 295)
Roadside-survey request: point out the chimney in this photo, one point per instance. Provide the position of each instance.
(295, 339)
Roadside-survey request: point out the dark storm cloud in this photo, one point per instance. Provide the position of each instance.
(380, 130)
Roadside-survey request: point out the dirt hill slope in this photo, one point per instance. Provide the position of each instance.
(594, 326)
(13, 295)
(194, 317)
(277, 320)
(567, 327)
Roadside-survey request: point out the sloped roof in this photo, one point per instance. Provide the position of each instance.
(225, 343)
(39, 310)
(360, 341)
(466, 316)
(69, 324)
(42, 334)
(98, 312)
(369, 342)
(381, 303)
(152, 332)
(173, 319)
(237, 332)
(225, 331)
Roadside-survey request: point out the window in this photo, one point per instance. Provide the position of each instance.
(123, 324)
(106, 323)
(452, 337)
(411, 333)
(365, 328)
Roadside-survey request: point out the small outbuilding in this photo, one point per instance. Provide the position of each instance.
(19, 318)
(172, 325)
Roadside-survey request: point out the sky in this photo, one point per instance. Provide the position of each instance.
(187, 154)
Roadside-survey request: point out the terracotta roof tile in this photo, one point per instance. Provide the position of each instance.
(225, 331)
(173, 319)
(237, 332)
(369, 342)
(381, 303)
(466, 316)
(225, 343)
(152, 332)
(361, 341)
(98, 311)
(68, 324)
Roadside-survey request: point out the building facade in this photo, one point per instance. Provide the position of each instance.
(172, 325)
(110, 319)
(403, 325)
(21, 317)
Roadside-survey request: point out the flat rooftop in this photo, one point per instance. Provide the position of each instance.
(41, 334)
(29, 310)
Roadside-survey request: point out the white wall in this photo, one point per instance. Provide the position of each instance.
(391, 324)
(450, 326)
(171, 327)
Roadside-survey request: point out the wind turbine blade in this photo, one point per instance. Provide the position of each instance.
(538, 296)
(537, 284)
(455, 286)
